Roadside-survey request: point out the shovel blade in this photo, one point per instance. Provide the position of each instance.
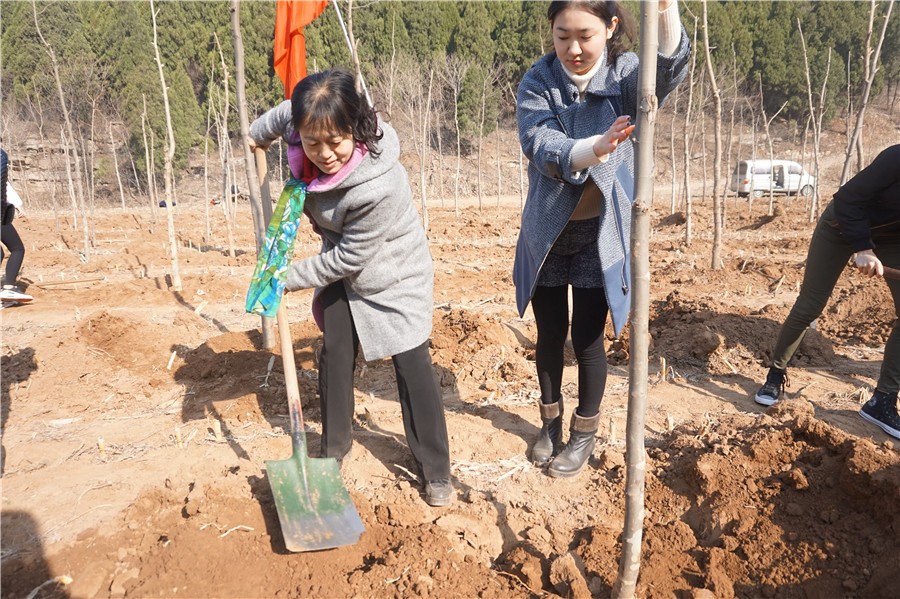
(314, 508)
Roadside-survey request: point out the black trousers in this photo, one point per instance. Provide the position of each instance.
(10, 238)
(420, 395)
(551, 314)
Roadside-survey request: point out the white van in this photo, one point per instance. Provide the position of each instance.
(757, 177)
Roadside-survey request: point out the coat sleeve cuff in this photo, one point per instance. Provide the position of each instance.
(669, 30)
(582, 155)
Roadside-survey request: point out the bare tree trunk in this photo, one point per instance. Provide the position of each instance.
(69, 136)
(222, 136)
(688, 209)
(280, 160)
(816, 118)
(768, 122)
(701, 123)
(391, 69)
(148, 162)
(753, 142)
(481, 135)
(521, 181)
(718, 219)
(817, 198)
(207, 238)
(134, 173)
(168, 175)
(112, 144)
(672, 151)
(262, 211)
(847, 117)
(65, 146)
(458, 155)
(85, 221)
(871, 70)
(893, 98)
(499, 174)
(423, 151)
(93, 160)
(521, 155)
(225, 152)
(455, 73)
(352, 45)
(729, 145)
(639, 335)
(438, 116)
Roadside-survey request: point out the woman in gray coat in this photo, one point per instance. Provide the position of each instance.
(373, 277)
(576, 223)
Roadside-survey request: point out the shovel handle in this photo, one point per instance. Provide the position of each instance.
(292, 386)
(891, 273)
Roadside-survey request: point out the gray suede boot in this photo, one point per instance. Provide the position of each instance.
(550, 440)
(573, 457)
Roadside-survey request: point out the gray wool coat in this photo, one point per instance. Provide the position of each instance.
(372, 240)
(551, 119)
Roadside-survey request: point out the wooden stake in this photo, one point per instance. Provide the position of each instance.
(69, 282)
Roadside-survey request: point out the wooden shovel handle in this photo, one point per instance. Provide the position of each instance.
(891, 273)
(292, 385)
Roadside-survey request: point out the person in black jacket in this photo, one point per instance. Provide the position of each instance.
(862, 222)
(10, 204)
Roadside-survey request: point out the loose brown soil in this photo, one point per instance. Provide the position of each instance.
(137, 421)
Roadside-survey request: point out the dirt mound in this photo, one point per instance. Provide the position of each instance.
(231, 378)
(481, 349)
(722, 340)
(784, 505)
(403, 552)
(856, 314)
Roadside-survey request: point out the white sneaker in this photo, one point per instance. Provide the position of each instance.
(11, 294)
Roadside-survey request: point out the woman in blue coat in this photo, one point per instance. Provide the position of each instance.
(572, 109)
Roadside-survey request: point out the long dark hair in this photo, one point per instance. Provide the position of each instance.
(622, 37)
(328, 101)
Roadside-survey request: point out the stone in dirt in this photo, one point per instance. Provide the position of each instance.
(567, 578)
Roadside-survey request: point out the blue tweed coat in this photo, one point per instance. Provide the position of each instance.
(551, 120)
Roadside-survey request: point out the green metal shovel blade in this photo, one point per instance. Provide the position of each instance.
(314, 508)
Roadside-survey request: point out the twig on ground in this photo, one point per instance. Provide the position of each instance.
(234, 528)
(482, 302)
(778, 284)
(94, 488)
(407, 472)
(63, 580)
(97, 350)
(393, 580)
(42, 284)
(727, 363)
(520, 581)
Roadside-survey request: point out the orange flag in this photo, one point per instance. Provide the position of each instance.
(291, 17)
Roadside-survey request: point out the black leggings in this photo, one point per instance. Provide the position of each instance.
(10, 238)
(551, 313)
(420, 396)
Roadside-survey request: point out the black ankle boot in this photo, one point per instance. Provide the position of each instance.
(550, 440)
(573, 457)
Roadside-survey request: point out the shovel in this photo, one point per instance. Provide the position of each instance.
(314, 508)
(891, 273)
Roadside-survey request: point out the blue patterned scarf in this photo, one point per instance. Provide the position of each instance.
(267, 284)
